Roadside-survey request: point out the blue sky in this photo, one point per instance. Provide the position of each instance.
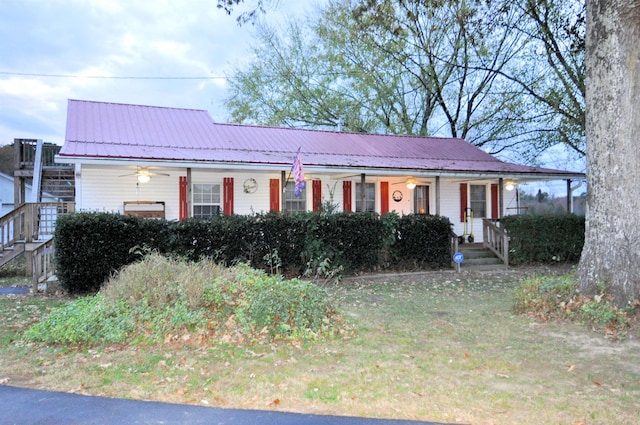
(53, 50)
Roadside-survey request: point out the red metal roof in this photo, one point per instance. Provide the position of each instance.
(99, 130)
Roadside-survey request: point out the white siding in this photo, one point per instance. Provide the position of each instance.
(105, 189)
(101, 188)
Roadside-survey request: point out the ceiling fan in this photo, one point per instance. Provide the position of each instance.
(144, 174)
(412, 182)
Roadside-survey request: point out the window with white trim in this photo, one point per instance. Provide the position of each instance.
(291, 203)
(206, 200)
(369, 197)
(478, 200)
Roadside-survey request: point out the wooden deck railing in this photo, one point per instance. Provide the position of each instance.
(496, 239)
(31, 227)
(42, 265)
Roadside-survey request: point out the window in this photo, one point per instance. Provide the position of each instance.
(421, 200)
(291, 203)
(478, 198)
(206, 200)
(369, 197)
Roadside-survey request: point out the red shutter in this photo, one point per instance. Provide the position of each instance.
(495, 213)
(384, 198)
(227, 193)
(346, 196)
(274, 195)
(183, 210)
(316, 187)
(463, 201)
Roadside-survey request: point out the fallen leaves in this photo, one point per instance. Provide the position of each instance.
(275, 403)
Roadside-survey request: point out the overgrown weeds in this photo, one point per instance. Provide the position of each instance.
(557, 297)
(160, 299)
(443, 347)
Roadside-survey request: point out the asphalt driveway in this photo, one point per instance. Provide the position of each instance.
(34, 407)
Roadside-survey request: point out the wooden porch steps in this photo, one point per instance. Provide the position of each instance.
(479, 258)
(11, 252)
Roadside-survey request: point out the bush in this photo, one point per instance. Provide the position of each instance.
(223, 239)
(557, 297)
(92, 246)
(84, 321)
(422, 240)
(157, 298)
(544, 239)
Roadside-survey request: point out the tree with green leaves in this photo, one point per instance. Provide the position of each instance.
(611, 252)
(400, 68)
(471, 69)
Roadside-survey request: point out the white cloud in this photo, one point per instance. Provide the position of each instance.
(116, 38)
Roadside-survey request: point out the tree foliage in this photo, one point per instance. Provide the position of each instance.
(556, 86)
(474, 69)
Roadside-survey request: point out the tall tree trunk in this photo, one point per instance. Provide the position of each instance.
(611, 254)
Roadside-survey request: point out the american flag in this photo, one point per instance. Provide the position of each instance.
(298, 173)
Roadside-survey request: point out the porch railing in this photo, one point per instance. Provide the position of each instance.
(42, 265)
(30, 228)
(496, 239)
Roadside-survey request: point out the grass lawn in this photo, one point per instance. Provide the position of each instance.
(435, 346)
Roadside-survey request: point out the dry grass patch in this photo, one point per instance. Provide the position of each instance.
(441, 347)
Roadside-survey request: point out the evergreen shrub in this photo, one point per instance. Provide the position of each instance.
(545, 238)
(422, 241)
(90, 247)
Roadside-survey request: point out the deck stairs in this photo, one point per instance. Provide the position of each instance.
(28, 229)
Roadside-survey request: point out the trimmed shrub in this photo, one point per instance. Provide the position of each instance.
(422, 241)
(544, 239)
(223, 239)
(92, 246)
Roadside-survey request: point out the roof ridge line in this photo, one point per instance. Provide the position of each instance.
(139, 105)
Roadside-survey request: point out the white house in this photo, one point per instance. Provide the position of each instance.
(178, 163)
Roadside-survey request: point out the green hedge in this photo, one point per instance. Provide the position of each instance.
(91, 246)
(412, 232)
(544, 239)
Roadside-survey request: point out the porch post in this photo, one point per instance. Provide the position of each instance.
(362, 192)
(500, 197)
(283, 180)
(437, 195)
(569, 196)
(189, 189)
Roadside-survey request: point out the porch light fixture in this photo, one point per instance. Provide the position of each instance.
(411, 184)
(144, 178)
(510, 186)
